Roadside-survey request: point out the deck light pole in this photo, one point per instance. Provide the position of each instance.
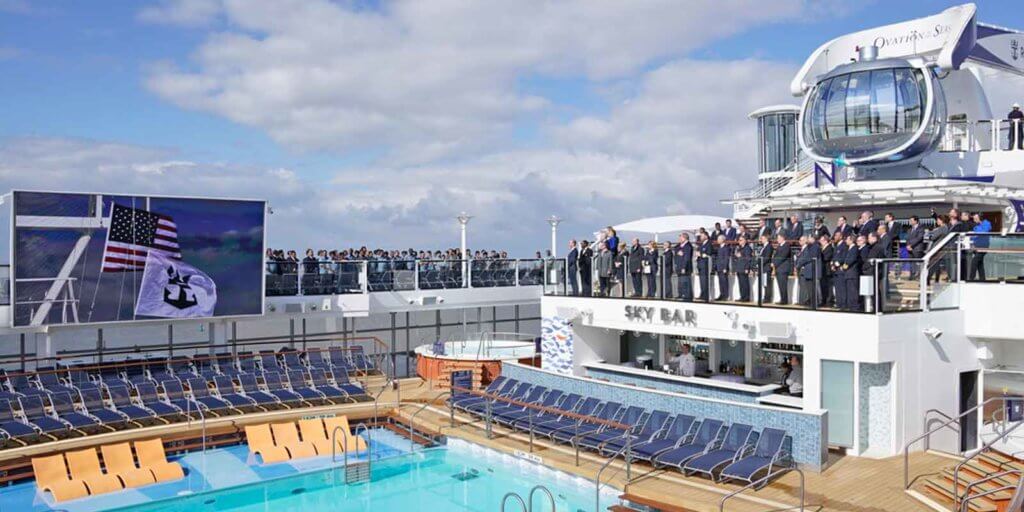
(554, 221)
(463, 219)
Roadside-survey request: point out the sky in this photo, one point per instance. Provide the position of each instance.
(376, 123)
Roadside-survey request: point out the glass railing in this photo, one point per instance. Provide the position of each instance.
(285, 278)
(977, 136)
(798, 282)
(993, 258)
(5, 285)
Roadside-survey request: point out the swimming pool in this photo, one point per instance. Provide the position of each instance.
(458, 477)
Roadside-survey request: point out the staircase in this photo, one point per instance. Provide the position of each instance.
(989, 465)
(357, 472)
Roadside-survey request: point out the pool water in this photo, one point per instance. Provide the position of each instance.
(458, 477)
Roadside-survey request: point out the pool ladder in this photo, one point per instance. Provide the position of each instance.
(358, 471)
(527, 505)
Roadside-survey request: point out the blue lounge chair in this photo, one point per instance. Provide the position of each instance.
(518, 393)
(12, 426)
(147, 393)
(750, 463)
(35, 413)
(315, 358)
(500, 386)
(277, 388)
(225, 364)
(247, 363)
(692, 446)
(175, 394)
(297, 383)
(292, 361)
(321, 383)
(200, 391)
(64, 408)
(341, 381)
(225, 390)
(535, 396)
(609, 412)
(721, 454)
(339, 359)
(122, 400)
(269, 361)
(586, 408)
(251, 389)
(653, 426)
(570, 402)
(359, 360)
(632, 418)
(53, 380)
(93, 404)
(551, 399)
(669, 437)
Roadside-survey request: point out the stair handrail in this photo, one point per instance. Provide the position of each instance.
(927, 443)
(551, 497)
(628, 449)
(926, 267)
(967, 490)
(516, 496)
(927, 434)
(763, 480)
(984, 447)
(412, 419)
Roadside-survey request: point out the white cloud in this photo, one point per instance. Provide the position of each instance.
(186, 13)
(427, 80)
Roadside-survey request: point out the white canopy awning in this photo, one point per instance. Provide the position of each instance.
(669, 225)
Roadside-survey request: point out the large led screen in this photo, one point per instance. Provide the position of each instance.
(88, 258)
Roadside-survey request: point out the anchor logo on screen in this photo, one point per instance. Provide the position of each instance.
(177, 287)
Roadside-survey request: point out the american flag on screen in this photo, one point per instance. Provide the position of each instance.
(132, 234)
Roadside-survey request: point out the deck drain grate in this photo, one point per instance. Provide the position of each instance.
(466, 475)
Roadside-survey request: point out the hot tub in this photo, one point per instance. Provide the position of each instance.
(434, 361)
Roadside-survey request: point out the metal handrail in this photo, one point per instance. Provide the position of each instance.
(763, 480)
(344, 451)
(984, 447)
(964, 505)
(202, 417)
(954, 428)
(516, 496)
(412, 419)
(906, 447)
(967, 490)
(935, 254)
(551, 497)
(629, 475)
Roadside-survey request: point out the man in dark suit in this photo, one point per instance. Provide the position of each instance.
(782, 266)
(796, 228)
(851, 272)
(635, 267)
(705, 252)
(730, 232)
(885, 241)
(763, 228)
(827, 253)
(742, 266)
(836, 270)
(651, 268)
(868, 224)
(722, 257)
(843, 228)
(572, 267)
(764, 264)
(586, 260)
(807, 270)
(915, 238)
(877, 250)
(682, 262)
(667, 272)
(777, 228)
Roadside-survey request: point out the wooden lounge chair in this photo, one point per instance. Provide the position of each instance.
(85, 466)
(354, 444)
(52, 475)
(286, 436)
(120, 461)
(152, 457)
(312, 431)
(261, 443)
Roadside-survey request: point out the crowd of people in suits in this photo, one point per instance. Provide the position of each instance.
(281, 262)
(827, 262)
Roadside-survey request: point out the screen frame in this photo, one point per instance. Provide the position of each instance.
(93, 195)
